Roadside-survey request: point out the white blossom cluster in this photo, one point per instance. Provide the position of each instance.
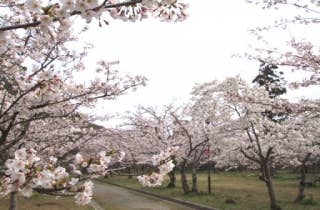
(131, 12)
(93, 166)
(166, 10)
(26, 172)
(53, 18)
(164, 163)
(163, 155)
(84, 194)
(153, 180)
(171, 11)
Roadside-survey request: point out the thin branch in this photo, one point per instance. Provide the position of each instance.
(6, 132)
(37, 23)
(302, 7)
(20, 97)
(250, 157)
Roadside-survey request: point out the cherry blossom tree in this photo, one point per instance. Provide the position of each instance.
(303, 148)
(172, 126)
(165, 165)
(37, 68)
(23, 108)
(26, 173)
(260, 138)
(301, 55)
(40, 92)
(155, 128)
(210, 111)
(138, 149)
(193, 141)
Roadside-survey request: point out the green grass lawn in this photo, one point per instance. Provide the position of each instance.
(44, 202)
(248, 192)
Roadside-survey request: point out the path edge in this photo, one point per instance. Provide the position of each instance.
(174, 200)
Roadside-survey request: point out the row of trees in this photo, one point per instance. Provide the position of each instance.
(41, 98)
(245, 126)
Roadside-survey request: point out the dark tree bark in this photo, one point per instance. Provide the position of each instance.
(264, 160)
(268, 181)
(129, 173)
(194, 180)
(172, 176)
(303, 171)
(13, 201)
(184, 181)
(209, 177)
(264, 163)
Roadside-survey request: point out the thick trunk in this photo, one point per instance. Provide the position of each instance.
(302, 185)
(138, 169)
(172, 176)
(129, 175)
(13, 201)
(184, 181)
(194, 180)
(268, 181)
(303, 171)
(273, 170)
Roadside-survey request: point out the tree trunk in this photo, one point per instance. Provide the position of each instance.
(209, 177)
(184, 182)
(172, 176)
(303, 171)
(268, 181)
(302, 185)
(194, 181)
(13, 201)
(129, 173)
(273, 170)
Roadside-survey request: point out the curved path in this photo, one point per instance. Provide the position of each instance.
(115, 198)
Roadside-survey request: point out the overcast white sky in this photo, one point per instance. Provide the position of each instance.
(175, 56)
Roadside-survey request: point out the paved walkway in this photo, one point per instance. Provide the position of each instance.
(115, 198)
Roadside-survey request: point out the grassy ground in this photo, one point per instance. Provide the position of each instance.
(44, 202)
(248, 192)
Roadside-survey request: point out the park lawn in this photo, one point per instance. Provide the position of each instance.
(248, 192)
(44, 202)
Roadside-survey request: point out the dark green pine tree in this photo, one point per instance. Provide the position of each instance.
(273, 81)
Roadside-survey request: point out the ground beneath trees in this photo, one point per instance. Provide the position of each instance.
(245, 188)
(115, 198)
